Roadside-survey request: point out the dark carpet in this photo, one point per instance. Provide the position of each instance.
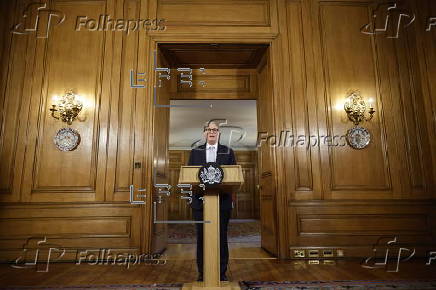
(173, 286)
(339, 285)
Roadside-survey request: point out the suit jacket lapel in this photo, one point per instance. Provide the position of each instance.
(203, 154)
(219, 154)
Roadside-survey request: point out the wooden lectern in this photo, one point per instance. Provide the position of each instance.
(232, 181)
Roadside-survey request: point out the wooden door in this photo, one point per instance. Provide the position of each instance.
(161, 182)
(266, 185)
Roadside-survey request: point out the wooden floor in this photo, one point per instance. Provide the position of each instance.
(248, 262)
(236, 251)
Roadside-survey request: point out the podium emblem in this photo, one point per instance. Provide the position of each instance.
(211, 174)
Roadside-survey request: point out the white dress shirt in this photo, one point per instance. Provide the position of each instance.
(211, 152)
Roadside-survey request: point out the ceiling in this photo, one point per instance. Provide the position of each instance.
(187, 118)
(213, 55)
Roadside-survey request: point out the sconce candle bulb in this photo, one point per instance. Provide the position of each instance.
(67, 107)
(356, 107)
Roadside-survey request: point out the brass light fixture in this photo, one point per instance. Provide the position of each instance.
(67, 107)
(355, 107)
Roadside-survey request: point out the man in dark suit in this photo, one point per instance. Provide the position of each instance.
(212, 151)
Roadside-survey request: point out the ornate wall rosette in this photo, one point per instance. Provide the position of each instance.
(358, 137)
(67, 139)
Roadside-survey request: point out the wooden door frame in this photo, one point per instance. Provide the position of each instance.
(275, 58)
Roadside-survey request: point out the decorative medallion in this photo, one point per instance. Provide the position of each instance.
(211, 174)
(358, 137)
(67, 139)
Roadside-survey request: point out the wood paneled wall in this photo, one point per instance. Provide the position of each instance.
(328, 56)
(259, 17)
(317, 53)
(422, 45)
(39, 182)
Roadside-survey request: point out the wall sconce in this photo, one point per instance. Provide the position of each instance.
(67, 107)
(355, 107)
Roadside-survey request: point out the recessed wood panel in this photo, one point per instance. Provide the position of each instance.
(13, 97)
(124, 103)
(70, 226)
(56, 226)
(219, 84)
(66, 66)
(301, 178)
(428, 58)
(238, 84)
(357, 223)
(349, 64)
(420, 56)
(214, 13)
(246, 18)
(361, 224)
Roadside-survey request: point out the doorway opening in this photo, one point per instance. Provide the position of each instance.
(238, 131)
(230, 83)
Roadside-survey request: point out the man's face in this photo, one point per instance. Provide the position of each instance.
(212, 133)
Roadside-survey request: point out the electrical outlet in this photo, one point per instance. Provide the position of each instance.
(329, 262)
(327, 253)
(299, 254)
(313, 253)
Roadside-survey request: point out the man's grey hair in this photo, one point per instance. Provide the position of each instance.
(211, 122)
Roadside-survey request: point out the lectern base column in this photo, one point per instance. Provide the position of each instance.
(211, 239)
(211, 247)
(233, 178)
